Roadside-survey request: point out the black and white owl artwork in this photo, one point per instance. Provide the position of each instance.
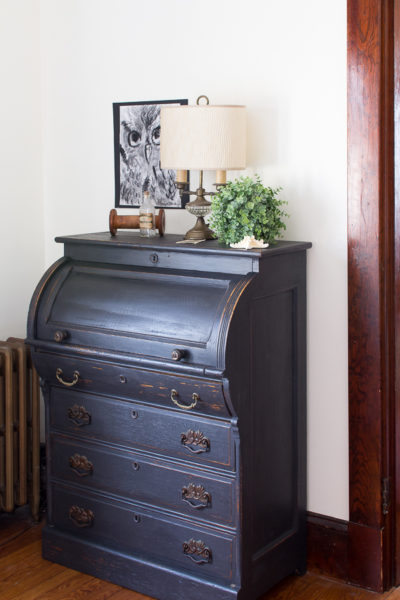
(137, 156)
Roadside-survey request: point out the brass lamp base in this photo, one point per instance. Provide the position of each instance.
(200, 231)
(199, 208)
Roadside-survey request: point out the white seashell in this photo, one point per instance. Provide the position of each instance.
(249, 242)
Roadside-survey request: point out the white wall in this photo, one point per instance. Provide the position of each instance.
(21, 234)
(286, 61)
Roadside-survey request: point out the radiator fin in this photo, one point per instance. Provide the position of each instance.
(19, 428)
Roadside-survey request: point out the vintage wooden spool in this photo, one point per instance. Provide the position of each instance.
(117, 221)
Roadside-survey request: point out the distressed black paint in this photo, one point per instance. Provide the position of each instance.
(182, 503)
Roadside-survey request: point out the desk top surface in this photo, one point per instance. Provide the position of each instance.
(168, 242)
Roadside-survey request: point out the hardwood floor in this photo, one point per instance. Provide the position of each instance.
(25, 575)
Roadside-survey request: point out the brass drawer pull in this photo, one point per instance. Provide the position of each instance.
(196, 496)
(79, 415)
(59, 373)
(197, 551)
(81, 517)
(80, 465)
(195, 441)
(175, 396)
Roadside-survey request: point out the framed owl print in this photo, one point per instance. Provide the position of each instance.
(137, 156)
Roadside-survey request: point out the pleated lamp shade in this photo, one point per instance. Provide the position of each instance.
(203, 137)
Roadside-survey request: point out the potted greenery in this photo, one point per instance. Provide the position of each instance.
(245, 207)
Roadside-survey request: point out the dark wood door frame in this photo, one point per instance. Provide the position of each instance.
(373, 253)
(396, 416)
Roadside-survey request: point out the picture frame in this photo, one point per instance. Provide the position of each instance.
(137, 156)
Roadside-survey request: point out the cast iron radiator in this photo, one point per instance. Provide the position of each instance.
(19, 428)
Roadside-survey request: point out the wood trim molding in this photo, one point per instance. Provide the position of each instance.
(327, 546)
(330, 546)
(396, 417)
(371, 288)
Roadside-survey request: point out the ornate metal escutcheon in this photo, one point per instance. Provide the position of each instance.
(197, 551)
(196, 496)
(80, 465)
(195, 441)
(81, 517)
(79, 415)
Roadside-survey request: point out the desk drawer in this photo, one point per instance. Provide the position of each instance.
(144, 479)
(160, 431)
(144, 534)
(183, 393)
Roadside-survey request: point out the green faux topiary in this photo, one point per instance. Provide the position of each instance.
(246, 207)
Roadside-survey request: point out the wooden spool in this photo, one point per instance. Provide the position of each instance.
(132, 221)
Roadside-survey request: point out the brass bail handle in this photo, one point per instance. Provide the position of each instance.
(205, 98)
(59, 374)
(175, 396)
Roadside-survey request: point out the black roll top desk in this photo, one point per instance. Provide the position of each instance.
(175, 392)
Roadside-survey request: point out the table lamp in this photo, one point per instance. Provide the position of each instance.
(203, 137)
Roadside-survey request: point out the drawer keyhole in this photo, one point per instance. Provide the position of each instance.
(154, 258)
